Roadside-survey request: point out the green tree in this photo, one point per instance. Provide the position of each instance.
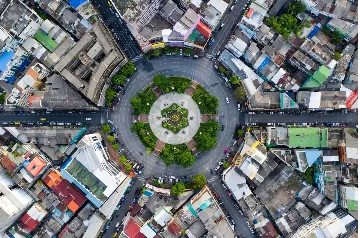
(115, 146)
(309, 175)
(111, 139)
(206, 142)
(198, 181)
(106, 128)
(336, 37)
(136, 103)
(240, 93)
(337, 56)
(234, 80)
(118, 79)
(123, 159)
(128, 167)
(225, 165)
(296, 7)
(128, 69)
(157, 52)
(240, 132)
(178, 189)
(159, 80)
(110, 95)
(2, 97)
(186, 158)
(222, 69)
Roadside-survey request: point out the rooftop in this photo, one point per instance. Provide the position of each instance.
(307, 137)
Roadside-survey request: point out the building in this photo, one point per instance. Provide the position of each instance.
(27, 85)
(187, 24)
(343, 64)
(214, 12)
(74, 198)
(329, 225)
(90, 170)
(303, 62)
(317, 79)
(13, 202)
(90, 62)
(297, 137)
(319, 51)
(322, 100)
(347, 29)
(32, 218)
(348, 199)
(20, 21)
(58, 94)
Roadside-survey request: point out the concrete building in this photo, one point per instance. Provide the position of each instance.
(91, 171)
(32, 218)
(317, 50)
(348, 199)
(322, 100)
(27, 85)
(89, 63)
(214, 12)
(303, 62)
(20, 21)
(13, 202)
(347, 29)
(343, 64)
(187, 24)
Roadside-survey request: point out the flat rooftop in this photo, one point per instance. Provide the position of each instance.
(307, 137)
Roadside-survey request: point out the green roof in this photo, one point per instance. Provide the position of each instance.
(307, 137)
(352, 205)
(87, 179)
(45, 40)
(318, 78)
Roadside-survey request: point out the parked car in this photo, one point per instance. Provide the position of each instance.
(227, 100)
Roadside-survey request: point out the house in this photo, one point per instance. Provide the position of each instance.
(32, 218)
(348, 199)
(347, 29)
(214, 12)
(317, 79)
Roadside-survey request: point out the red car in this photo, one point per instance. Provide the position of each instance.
(226, 150)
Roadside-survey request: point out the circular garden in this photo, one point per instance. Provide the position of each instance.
(175, 118)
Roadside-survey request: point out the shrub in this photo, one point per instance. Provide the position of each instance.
(207, 103)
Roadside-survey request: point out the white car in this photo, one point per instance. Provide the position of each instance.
(110, 122)
(88, 119)
(227, 100)
(239, 107)
(232, 8)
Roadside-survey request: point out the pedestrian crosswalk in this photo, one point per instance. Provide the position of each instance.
(212, 179)
(137, 58)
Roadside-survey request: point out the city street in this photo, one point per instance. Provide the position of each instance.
(118, 28)
(230, 20)
(124, 208)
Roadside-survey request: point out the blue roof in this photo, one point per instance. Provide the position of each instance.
(10, 79)
(312, 156)
(5, 58)
(76, 3)
(264, 63)
(314, 32)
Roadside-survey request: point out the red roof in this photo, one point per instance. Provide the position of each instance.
(28, 222)
(66, 192)
(133, 230)
(174, 228)
(35, 166)
(203, 29)
(351, 99)
(8, 164)
(250, 12)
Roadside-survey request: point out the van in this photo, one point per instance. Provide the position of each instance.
(88, 119)
(239, 107)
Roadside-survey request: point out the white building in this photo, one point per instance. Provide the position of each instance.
(13, 202)
(89, 168)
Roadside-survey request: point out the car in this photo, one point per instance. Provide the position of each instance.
(224, 186)
(222, 127)
(115, 235)
(218, 53)
(236, 206)
(42, 119)
(78, 124)
(239, 107)
(17, 123)
(220, 163)
(247, 223)
(180, 51)
(226, 150)
(227, 100)
(217, 168)
(232, 8)
(229, 193)
(211, 171)
(88, 119)
(221, 25)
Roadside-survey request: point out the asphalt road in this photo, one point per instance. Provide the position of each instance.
(201, 70)
(315, 117)
(230, 20)
(228, 207)
(120, 214)
(118, 28)
(36, 118)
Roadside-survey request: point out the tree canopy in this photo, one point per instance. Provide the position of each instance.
(240, 93)
(128, 69)
(115, 146)
(337, 56)
(106, 128)
(296, 7)
(111, 139)
(178, 189)
(2, 97)
(118, 79)
(240, 132)
(123, 159)
(206, 136)
(110, 95)
(207, 103)
(178, 154)
(128, 167)
(234, 80)
(198, 181)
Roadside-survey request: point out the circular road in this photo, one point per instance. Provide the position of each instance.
(203, 71)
